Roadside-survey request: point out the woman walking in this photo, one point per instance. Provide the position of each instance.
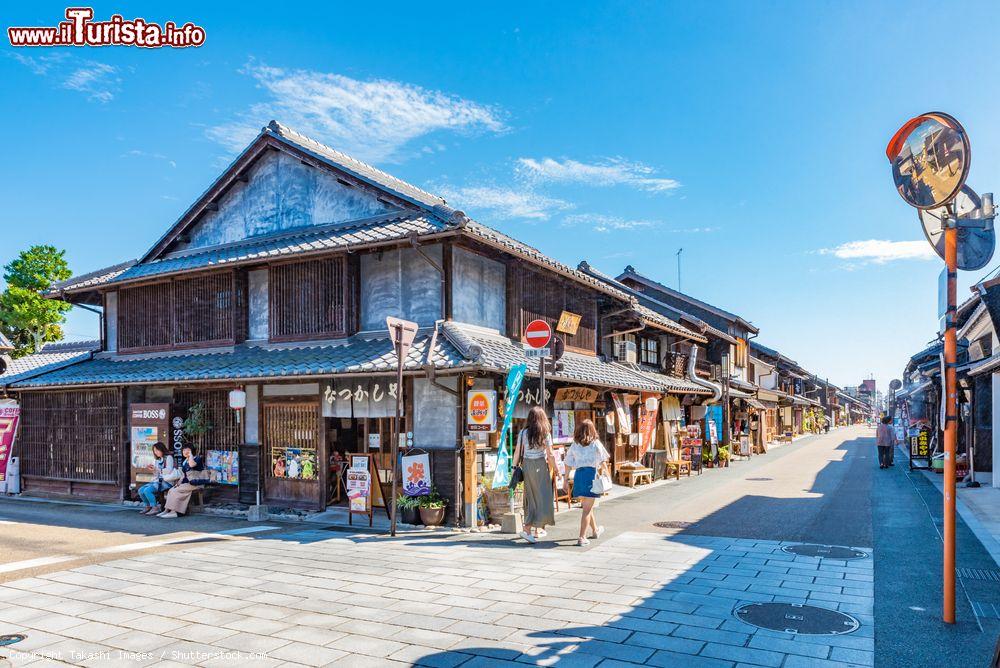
(589, 459)
(164, 475)
(536, 459)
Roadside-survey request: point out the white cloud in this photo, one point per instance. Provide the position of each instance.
(98, 81)
(608, 172)
(602, 223)
(373, 120)
(503, 202)
(137, 153)
(881, 251)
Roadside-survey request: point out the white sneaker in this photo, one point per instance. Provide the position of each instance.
(542, 533)
(600, 530)
(162, 513)
(582, 542)
(168, 515)
(528, 537)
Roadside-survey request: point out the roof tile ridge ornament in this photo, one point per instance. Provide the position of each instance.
(466, 345)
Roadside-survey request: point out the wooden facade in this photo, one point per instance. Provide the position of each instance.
(72, 442)
(204, 310)
(534, 295)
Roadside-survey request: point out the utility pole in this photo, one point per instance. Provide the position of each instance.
(951, 412)
(679, 251)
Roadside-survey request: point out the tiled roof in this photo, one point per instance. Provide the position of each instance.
(630, 272)
(982, 366)
(672, 384)
(309, 240)
(353, 355)
(92, 279)
(490, 350)
(54, 356)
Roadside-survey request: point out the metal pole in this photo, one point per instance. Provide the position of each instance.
(679, 251)
(541, 384)
(394, 449)
(951, 419)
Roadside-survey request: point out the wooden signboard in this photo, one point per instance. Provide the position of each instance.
(470, 482)
(574, 394)
(568, 323)
(364, 489)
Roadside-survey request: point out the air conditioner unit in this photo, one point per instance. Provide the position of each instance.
(626, 351)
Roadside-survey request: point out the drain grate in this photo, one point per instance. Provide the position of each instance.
(825, 551)
(987, 574)
(675, 524)
(796, 618)
(11, 638)
(759, 479)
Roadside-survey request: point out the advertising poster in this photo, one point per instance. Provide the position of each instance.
(481, 411)
(358, 489)
(223, 466)
(142, 441)
(563, 425)
(10, 413)
(416, 475)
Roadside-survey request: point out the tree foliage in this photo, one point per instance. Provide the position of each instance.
(27, 318)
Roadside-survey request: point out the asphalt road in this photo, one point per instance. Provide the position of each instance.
(37, 537)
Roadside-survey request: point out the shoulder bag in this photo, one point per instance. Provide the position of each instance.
(517, 475)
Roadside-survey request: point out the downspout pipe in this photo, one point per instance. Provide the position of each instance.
(693, 377)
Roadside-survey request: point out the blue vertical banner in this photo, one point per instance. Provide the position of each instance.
(515, 377)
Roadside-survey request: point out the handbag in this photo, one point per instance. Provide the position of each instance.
(517, 474)
(602, 484)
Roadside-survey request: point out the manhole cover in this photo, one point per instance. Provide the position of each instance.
(672, 525)
(795, 618)
(759, 479)
(825, 551)
(11, 638)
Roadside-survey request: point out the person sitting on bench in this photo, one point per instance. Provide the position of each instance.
(193, 478)
(164, 476)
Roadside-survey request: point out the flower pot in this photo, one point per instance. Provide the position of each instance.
(409, 515)
(499, 504)
(432, 517)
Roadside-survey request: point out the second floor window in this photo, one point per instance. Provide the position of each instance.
(311, 300)
(649, 351)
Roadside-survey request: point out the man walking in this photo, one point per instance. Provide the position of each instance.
(885, 439)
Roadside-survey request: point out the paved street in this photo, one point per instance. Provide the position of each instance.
(643, 594)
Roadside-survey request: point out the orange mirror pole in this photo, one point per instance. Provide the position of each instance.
(951, 420)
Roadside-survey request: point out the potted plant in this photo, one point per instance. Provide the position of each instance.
(706, 459)
(501, 500)
(432, 509)
(724, 455)
(408, 508)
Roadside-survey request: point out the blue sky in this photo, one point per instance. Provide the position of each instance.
(751, 135)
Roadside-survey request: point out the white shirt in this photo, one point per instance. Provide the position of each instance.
(581, 456)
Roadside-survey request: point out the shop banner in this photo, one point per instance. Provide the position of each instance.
(623, 413)
(515, 377)
(359, 398)
(10, 414)
(647, 422)
(417, 475)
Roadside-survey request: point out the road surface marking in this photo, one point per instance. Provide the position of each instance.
(245, 530)
(146, 545)
(33, 563)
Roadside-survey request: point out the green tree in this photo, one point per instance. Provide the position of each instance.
(27, 318)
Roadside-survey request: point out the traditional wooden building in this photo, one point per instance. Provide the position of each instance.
(278, 281)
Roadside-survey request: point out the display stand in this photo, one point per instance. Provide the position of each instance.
(374, 495)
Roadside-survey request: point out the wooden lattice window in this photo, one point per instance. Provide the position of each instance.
(546, 297)
(291, 440)
(225, 432)
(309, 300)
(75, 435)
(201, 311)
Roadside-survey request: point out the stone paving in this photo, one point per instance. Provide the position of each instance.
(320, 598)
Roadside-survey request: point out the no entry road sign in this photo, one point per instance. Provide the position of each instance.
(538, 333)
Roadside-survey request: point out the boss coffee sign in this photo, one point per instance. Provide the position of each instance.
(481, 410)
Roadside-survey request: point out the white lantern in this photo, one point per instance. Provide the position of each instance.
(651, 403)
(237, 399)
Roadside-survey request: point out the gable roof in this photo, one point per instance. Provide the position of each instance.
(631, 273)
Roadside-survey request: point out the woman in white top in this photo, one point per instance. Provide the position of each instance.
(589, 459)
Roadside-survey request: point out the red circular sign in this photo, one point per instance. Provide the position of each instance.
(538, 333)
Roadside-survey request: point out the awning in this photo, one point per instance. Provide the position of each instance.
(768, 395)
(756, 404)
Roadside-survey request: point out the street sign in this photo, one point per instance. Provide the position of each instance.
(408, 333)
(536, 353)
(402, 333)
(930, 159)
(538, 333)
(976, 238)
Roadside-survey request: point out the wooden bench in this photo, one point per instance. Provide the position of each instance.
(633, 476)
(678, 466)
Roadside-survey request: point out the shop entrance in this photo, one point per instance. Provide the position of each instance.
(293, 449)
(345, 436)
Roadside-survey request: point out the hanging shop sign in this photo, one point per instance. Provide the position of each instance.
(10, 414)
(416, 475)
(481, 410)
(622, 413)
(515, 377)
(470, 479)
(360, 398)
(148, 425)
(920, 445)
(577, 394)
(568, 323)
